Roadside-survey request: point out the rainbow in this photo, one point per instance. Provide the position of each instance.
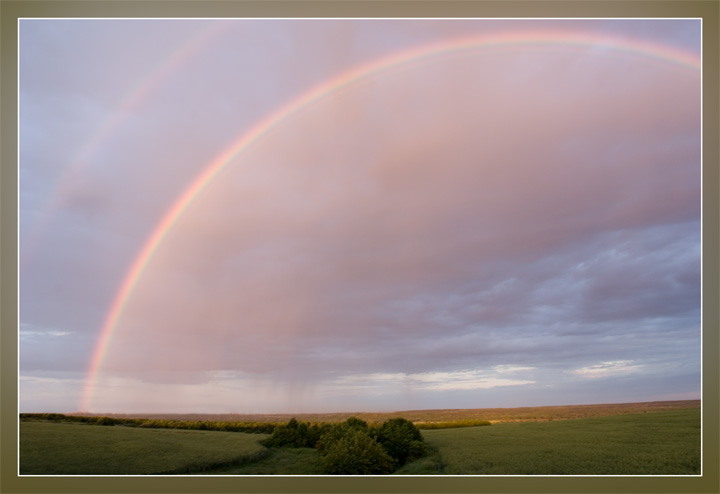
(341, 81)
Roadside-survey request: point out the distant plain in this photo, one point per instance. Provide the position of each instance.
(559, 412)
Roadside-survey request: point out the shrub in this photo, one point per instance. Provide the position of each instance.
(402, 440)
(331, 433)
(285, 436)
(356, 423)
(53, 416)
(105, 421)
(294, 435)
(314, 432)
(356, 453)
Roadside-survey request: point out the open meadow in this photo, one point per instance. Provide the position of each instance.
(48, 448)
(660, 442)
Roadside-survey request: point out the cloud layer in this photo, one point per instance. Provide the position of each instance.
(509, 219)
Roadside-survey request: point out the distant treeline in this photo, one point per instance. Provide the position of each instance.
(256, 427)
(209, 425)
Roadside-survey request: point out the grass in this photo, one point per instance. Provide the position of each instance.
(48, 448)
(659, 443)
(665, 442)
(280, 461)
(432, 464)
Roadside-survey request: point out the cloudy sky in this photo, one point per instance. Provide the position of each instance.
(511, 223)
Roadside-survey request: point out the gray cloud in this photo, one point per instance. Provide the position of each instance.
(502, 208)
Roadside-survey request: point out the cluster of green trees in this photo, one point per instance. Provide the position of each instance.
(258, 427)
(296, 434)
(353, 447)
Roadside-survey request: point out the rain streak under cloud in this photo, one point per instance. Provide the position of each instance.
(505, 225)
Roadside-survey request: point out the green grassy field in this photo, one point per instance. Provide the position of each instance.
(657, 443)
(653, 443)
(48, 448)
(281, 461)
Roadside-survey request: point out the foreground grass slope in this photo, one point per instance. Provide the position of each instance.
(657, 443)
(48, 448)
(280, 461)
(653, 443)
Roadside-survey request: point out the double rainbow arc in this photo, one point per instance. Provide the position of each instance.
(341, 81)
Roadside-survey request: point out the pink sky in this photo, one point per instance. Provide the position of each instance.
(509, 227)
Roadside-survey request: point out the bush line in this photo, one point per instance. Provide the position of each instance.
(251, 427)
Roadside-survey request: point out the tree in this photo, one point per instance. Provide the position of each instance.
(285, 435)
(330, 435)
(356, 423)
(294, 434)
(333, 433)
(356, 453)
(314, 432)
(402, 440)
